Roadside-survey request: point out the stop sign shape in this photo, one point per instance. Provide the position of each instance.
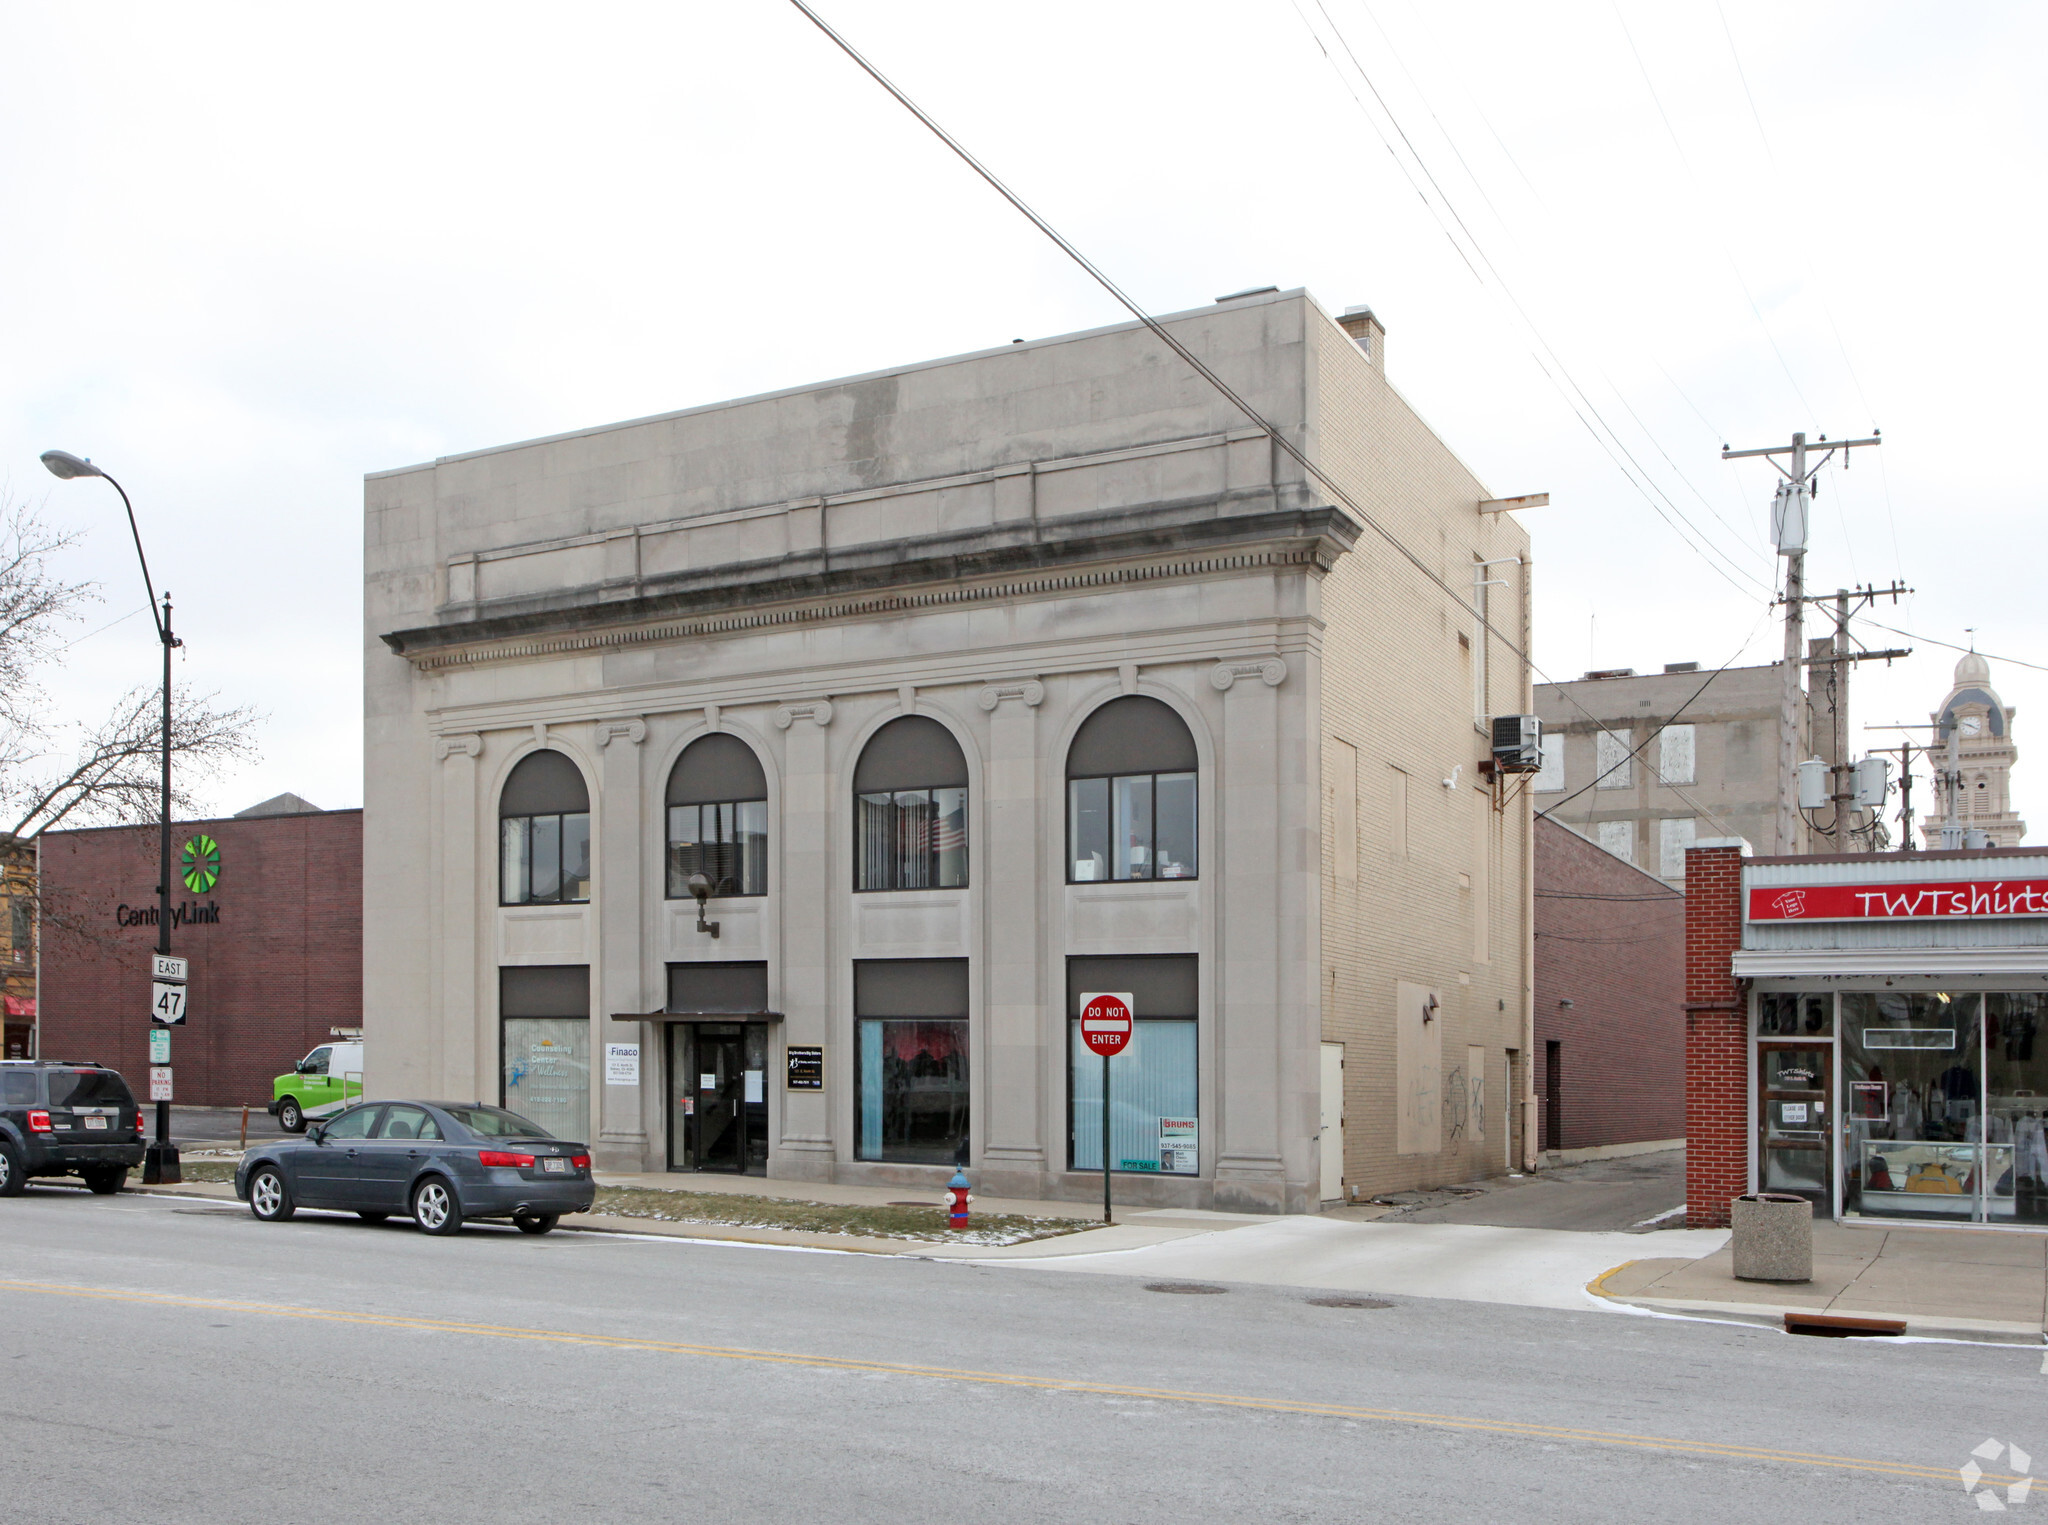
(1105, 1023)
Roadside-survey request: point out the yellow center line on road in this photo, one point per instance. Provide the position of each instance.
(1521, 1429)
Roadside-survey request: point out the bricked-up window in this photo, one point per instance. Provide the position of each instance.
(910, 809)
(1131, 794)
(718, 818)
(544, 833)
(1613, 760)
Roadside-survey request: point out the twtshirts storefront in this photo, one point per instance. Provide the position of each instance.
(1869, 1031)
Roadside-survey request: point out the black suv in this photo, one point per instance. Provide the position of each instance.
(61, 1119)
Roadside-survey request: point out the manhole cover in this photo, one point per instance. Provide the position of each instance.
(1349, 1302)
(1182, 1286)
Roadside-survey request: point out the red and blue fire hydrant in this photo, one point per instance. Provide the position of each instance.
(957, 1198)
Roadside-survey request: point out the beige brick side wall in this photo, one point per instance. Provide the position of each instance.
(1398, 685)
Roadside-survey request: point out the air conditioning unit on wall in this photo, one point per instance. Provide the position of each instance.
(1517, 743)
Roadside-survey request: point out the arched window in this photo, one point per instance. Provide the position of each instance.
(1131, 794)
(718, 818)
(544, 833)
(910, 809)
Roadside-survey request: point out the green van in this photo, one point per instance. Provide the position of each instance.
(321, 1084)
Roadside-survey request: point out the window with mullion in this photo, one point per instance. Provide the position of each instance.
(910, 839)
(544, 859)
(726, 842)
(1133, 826)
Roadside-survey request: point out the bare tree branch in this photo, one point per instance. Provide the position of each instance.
(89, 775)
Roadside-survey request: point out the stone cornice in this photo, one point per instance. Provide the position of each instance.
(1308, 538)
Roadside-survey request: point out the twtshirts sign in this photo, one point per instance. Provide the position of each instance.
(1953, 900)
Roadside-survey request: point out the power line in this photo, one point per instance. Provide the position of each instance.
(1569, 389)
(1195, 363)
(1158, 331)
(1988, 656)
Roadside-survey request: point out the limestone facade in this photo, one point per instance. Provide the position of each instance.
(1001, 542)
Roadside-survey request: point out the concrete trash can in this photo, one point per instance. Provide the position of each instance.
(1773, 1237)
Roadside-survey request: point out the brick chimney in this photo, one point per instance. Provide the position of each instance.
(1366, 329)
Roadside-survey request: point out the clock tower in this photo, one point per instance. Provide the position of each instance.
(1982, 725)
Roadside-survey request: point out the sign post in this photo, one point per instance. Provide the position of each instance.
(167, 976)
(1105, 1029)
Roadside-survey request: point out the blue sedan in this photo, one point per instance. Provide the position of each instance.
(440, 1162)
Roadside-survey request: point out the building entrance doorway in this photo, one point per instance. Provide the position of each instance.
(718, 1097)
(1795, 1150)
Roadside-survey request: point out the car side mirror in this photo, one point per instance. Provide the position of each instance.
(317, 1134)
(304, 1067)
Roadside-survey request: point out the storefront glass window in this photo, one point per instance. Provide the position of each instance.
(1152, 1122)
(911, 1095)
(2016, 1107)
(547, 1073)
(1912, 1096)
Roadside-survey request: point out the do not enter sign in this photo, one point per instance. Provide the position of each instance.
(1106, 1022)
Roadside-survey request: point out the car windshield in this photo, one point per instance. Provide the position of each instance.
(88, 1088)
(496, 1122)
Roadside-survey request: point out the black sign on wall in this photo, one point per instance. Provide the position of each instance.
(806, 1068)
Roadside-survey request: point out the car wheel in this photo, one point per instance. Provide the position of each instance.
(291, 1116)
(434, 1207)
(536, 1223)
(105, 1180)
(369, 1217)
(11, 1178)
(269, 1198)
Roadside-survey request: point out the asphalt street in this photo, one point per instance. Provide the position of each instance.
(173, 1360)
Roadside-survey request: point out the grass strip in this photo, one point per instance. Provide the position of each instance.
(917, 1223)
(737, 1210)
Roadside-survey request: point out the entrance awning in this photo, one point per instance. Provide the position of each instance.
(697, 1016)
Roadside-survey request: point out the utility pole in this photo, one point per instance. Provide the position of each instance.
(1789, 518)
(1839, 662)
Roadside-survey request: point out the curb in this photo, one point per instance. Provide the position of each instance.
(1773, 1315)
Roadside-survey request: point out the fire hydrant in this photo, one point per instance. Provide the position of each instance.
(957, 1198)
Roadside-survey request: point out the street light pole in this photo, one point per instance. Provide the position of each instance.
(161, 1162)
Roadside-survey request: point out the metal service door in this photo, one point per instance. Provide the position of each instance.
(1794, 1146)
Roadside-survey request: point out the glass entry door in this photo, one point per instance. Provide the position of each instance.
(1794, 1151)
(718, 1097)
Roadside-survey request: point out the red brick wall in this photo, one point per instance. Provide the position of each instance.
(282, 966)
(1611, 940)
(1716, 1038)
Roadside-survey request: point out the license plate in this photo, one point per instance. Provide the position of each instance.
(555, 1167)
(96, 1122)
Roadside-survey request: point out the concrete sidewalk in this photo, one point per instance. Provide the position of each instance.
(1955, 1283)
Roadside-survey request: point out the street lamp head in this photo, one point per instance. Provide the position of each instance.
(63, 463)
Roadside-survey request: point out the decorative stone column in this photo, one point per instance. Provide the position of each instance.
(621, 924)
(1250, 1170)
(458, 1070)
(1011, 1123)
(806, 884)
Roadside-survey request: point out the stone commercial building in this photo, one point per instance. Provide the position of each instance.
(1618, 768)
(268, 908)
(960, 691)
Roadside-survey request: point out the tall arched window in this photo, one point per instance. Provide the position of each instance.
(718, 818)
(910, 809)
(544, 833)
(1131, 794)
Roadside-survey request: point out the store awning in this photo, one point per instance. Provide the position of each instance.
(1982, 968)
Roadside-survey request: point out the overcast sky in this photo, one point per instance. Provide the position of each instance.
(254, 252)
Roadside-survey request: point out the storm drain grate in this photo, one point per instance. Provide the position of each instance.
(1837, 1326)
(1349, 1302)
(1182, 1286)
